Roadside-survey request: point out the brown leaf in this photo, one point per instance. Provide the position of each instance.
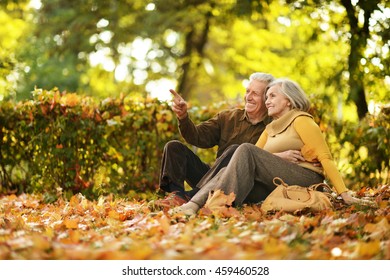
(253, 212)
(379, 230)
(219, 203)
(114, 228)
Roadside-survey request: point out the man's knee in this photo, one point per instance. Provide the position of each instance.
(173, 145)
(231, 149)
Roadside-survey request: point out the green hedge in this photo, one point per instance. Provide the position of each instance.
(59, 143)
(62, 143)
(362, 149)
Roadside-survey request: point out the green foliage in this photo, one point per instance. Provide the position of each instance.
(12, 29)
(62, 144)
(204, 48)
(360, 149)
(367, 147)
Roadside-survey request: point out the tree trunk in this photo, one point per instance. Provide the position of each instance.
(193, 55)
(358, 42)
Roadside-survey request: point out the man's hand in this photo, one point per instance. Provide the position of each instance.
(179, 106)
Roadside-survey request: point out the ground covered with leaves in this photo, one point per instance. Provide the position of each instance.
(122, 228)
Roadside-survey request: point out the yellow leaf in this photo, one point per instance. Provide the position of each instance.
(367, 249)
(74, 201)
(49, 232)
(275, 247)
(379, 230)
(71, 223)
(113, 214)
(40, 242)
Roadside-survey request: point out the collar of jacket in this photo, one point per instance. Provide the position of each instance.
(281, 124)
(266, 120)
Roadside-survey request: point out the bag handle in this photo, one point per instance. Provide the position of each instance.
(314, 187)
(285, 193)
(281, 182)
(325, 187)
(327, 190)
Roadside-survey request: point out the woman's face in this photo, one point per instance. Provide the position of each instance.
(276, 102)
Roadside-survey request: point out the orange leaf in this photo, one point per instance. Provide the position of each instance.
(164, 223)
(74, 200)
(74, 236)
(378, 230)
(71, 223)
(218, 203)
(70, 100)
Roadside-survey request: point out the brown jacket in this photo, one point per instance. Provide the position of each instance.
(224, 129)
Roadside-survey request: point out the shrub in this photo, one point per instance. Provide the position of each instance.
(62, 143)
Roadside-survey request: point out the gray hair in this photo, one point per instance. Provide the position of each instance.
(262, 77)
(293, 92)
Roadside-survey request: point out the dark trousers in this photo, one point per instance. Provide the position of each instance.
(179, 164)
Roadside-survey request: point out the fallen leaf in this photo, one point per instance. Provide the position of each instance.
(71, 223)
(218, 203)
(379, 230)
(367, 249)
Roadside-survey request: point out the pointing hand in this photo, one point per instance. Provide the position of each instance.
(179, 106)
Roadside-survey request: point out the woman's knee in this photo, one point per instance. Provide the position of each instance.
(246, 148)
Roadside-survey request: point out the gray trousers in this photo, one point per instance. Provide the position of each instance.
(180, 164)
(250, 173)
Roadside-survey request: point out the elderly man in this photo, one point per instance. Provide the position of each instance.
(227, 130)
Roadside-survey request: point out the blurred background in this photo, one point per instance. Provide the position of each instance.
(84, 100)
(338, 50)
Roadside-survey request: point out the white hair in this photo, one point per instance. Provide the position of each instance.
(262, 77)
(293, 92)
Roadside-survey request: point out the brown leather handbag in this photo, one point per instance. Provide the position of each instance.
(292, 198)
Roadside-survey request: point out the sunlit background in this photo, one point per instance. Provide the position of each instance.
(294, 39)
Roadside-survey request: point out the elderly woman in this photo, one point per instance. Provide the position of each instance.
(293, 135)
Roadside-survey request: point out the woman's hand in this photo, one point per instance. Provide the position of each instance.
(293, 156)
(349, 199)
(296, 156)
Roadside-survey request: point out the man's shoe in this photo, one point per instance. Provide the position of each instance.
(170, 201)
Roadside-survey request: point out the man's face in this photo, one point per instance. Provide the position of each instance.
(254, 97)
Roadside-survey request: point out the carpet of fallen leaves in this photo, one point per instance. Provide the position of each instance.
(134, 229)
